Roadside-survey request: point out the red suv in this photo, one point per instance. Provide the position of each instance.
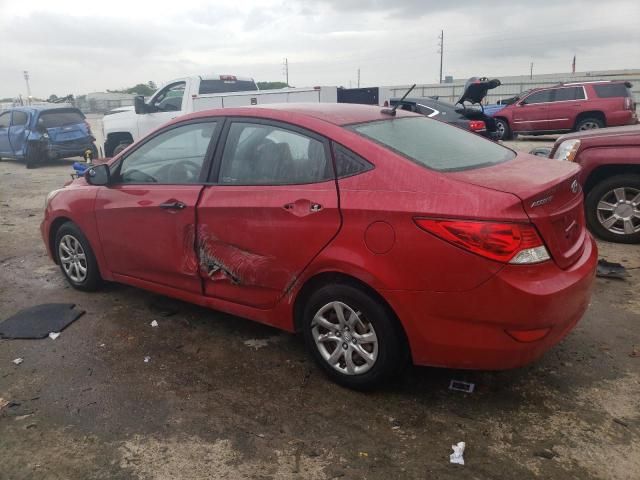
(568, 107)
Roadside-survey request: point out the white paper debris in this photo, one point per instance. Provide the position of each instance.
(18, 361)
(54, 335)
(146, 359)
(256, 343)
(154, 323)
(456, 456)
(102, 345)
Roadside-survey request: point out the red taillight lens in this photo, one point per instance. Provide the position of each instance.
(476, 125)
(496, 241)
(228, 78)
(528, 335)
(627, 103)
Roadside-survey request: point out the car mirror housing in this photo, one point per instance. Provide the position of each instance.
(140, 106)
(99, 175)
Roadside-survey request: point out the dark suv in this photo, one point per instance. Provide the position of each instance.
(567, 107)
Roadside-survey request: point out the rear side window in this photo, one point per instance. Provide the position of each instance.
(54, 118)
(434, 144)
(19, 118)
(612, 90)
(348, 163)
(224, 86)
(569, 93)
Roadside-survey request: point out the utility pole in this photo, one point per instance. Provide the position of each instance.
(441, 51)
(358, 78)
(285, 66)
(531, 72)
(26, 79)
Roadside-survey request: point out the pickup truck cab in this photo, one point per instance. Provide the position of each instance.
(178, 97)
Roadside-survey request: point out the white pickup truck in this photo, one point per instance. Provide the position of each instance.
(192, 94)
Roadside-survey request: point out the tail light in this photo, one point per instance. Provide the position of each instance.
(515, 243)
(628, 104)
(528, 335)
(477, 125)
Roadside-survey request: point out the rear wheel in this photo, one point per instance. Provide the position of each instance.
(613, 209)
(77, 260)
(589, 123)
(503, 132)
(120, 148)
(352, 336)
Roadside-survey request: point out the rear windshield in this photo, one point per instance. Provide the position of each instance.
(613, 90)
(434, 144)
(224, 86)
(60, 118)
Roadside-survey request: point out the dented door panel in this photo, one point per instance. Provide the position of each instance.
(254, 241)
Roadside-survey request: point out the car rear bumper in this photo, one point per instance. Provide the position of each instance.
(75, 149)
(468, 329)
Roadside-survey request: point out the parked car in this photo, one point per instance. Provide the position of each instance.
(567, 107)
(193, 94)
(470, 117)
(610, 175)
(424, 242)
(38, 134)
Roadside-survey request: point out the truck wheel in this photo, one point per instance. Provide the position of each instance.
(120, 148)
(352, 336)
(613, 209)
(503, 132)
(589, 123)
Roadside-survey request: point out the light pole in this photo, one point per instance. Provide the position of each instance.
(26, 79)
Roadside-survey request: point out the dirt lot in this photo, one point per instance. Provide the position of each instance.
(213, 402)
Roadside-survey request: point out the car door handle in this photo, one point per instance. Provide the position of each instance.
(172, 205)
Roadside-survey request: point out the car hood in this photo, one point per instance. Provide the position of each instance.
(602, 132)
(477, 88)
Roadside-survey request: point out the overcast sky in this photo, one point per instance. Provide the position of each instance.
(80, 46)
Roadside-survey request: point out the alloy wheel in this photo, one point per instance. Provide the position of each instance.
(345, 339)
(72, 258)
(589, 125)
(619, 211)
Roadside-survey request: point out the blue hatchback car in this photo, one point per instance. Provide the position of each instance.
(38, 134)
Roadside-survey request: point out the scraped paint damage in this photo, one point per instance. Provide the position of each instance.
(218, 260)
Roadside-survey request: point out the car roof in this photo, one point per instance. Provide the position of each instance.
(335, 113)
(41, 108)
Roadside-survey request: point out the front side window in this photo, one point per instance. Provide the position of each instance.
(4, 119)
(569, 93)
(170, 98)
(262, 154)
(172, 157)
(539, 97)
(434, 144)
(19, 118)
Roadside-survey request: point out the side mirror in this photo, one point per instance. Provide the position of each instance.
(98, 175)
(139, 105)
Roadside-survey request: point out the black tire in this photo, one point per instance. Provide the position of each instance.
(119, 148)
(604, 191)
(374, 316)
(35, 155)
(503, 131)
(589, 123)
(92, 280)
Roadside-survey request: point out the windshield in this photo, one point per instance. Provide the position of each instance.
(434, 144)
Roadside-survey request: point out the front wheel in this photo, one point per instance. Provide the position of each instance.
(503, 132)
(77, 260)
(613, 209)
(352, 336)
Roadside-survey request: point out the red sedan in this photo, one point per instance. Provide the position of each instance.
(381, 237)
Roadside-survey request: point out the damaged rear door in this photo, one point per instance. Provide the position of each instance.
(147, 214)
(273, 207)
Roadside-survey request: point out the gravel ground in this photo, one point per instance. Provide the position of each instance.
(222, 397)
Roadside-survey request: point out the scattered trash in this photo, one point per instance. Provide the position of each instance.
(256, 343)
(619, 421)
(38, 321)
(54, 335)
(18, 361)
(102, 345)
(146, 359)
(546, 453)
(154, 323)
(541, 151)
(611, 270)
(458, 451)
(363, 454)
(461, 386)
(635, 353)
(3, 403)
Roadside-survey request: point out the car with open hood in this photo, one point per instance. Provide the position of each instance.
(382, 237)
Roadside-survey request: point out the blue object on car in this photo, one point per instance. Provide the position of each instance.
(38, 134)
(491, 110)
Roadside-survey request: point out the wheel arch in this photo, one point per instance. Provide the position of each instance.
(327, 277)
(53, 230)
(603, 172)
(588, 114)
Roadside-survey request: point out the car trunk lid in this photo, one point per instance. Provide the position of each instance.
(551, 196)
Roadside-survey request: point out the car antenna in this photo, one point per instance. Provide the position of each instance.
(392, 111)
